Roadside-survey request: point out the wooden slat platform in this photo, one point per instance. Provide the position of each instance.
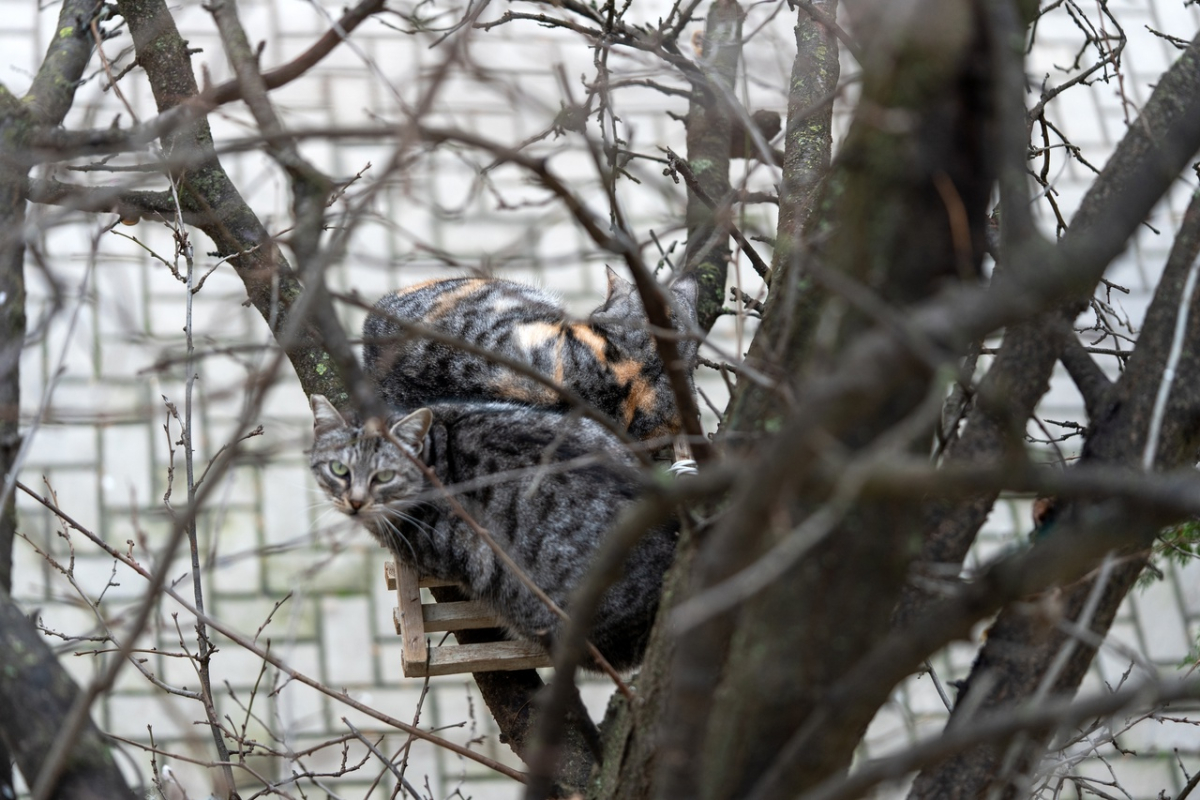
(414, 620)
(483, 657)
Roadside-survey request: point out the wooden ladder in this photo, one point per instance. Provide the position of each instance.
(414, 620)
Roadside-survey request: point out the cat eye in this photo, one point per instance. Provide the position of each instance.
(384, 475)
(339, 469)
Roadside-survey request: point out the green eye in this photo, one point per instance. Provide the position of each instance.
(383, 476)
(339, 469)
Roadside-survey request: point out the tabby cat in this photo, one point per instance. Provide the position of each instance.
(609, 358)
(546, 486)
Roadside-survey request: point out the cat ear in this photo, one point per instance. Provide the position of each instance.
(617, 286)
(412, 429)
(325, 417)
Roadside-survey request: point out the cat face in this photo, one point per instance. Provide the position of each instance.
(364, 474)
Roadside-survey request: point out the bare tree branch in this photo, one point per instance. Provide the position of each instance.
(709, 134)
(1019, 649)
(1089, 378)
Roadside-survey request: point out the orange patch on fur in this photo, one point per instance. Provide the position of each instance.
(626, 371)
(522, 390)
(532, 335)
(447, 300)
(559, 362)
(642, 395)
(590, 338)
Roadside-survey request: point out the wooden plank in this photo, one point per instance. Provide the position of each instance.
(413, 621)
(389, 575)
(414, 649)
(683, 449)
(463, 615)
(485, 657)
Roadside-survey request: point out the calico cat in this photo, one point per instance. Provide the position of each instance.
(547, 487)
(609, 358)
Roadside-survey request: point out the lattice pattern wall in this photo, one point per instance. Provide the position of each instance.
(106, 350)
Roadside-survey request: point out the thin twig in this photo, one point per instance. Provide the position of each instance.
(264, 652)
(400, 779)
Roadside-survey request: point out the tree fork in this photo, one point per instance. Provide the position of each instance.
(896, 239)
(1020, 648)
(1020, 373)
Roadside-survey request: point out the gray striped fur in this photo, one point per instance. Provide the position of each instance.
(546, 486)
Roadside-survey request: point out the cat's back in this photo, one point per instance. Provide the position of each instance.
(488, 437)
(543, 479)
(414, 340)
(548, 487)
(459, 303)
(489, 339)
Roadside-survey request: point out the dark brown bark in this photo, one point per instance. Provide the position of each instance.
(1093, 384)
(681, 683)
(12, 325)
(808, 139)
(1020, 374)
(994, 430)
(35, 696)
(905, 215)
(271, 285)
(1055, 561)
(632, 747)
(12, 338)
(513, 700)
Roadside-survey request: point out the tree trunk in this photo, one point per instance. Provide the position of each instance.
(895, 195)
(641, 748)
(12, 340)
(35, 697)
(808, 144)
(35, 692)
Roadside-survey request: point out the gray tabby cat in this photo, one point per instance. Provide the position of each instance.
(546, 486)
(609, 359)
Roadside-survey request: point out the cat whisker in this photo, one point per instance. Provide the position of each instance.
(399, 537)
(316, 523)
(420, 525)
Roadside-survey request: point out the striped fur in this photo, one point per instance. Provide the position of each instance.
(546, 487)
(609, 359)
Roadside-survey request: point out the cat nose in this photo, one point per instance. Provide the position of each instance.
(355, 504)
